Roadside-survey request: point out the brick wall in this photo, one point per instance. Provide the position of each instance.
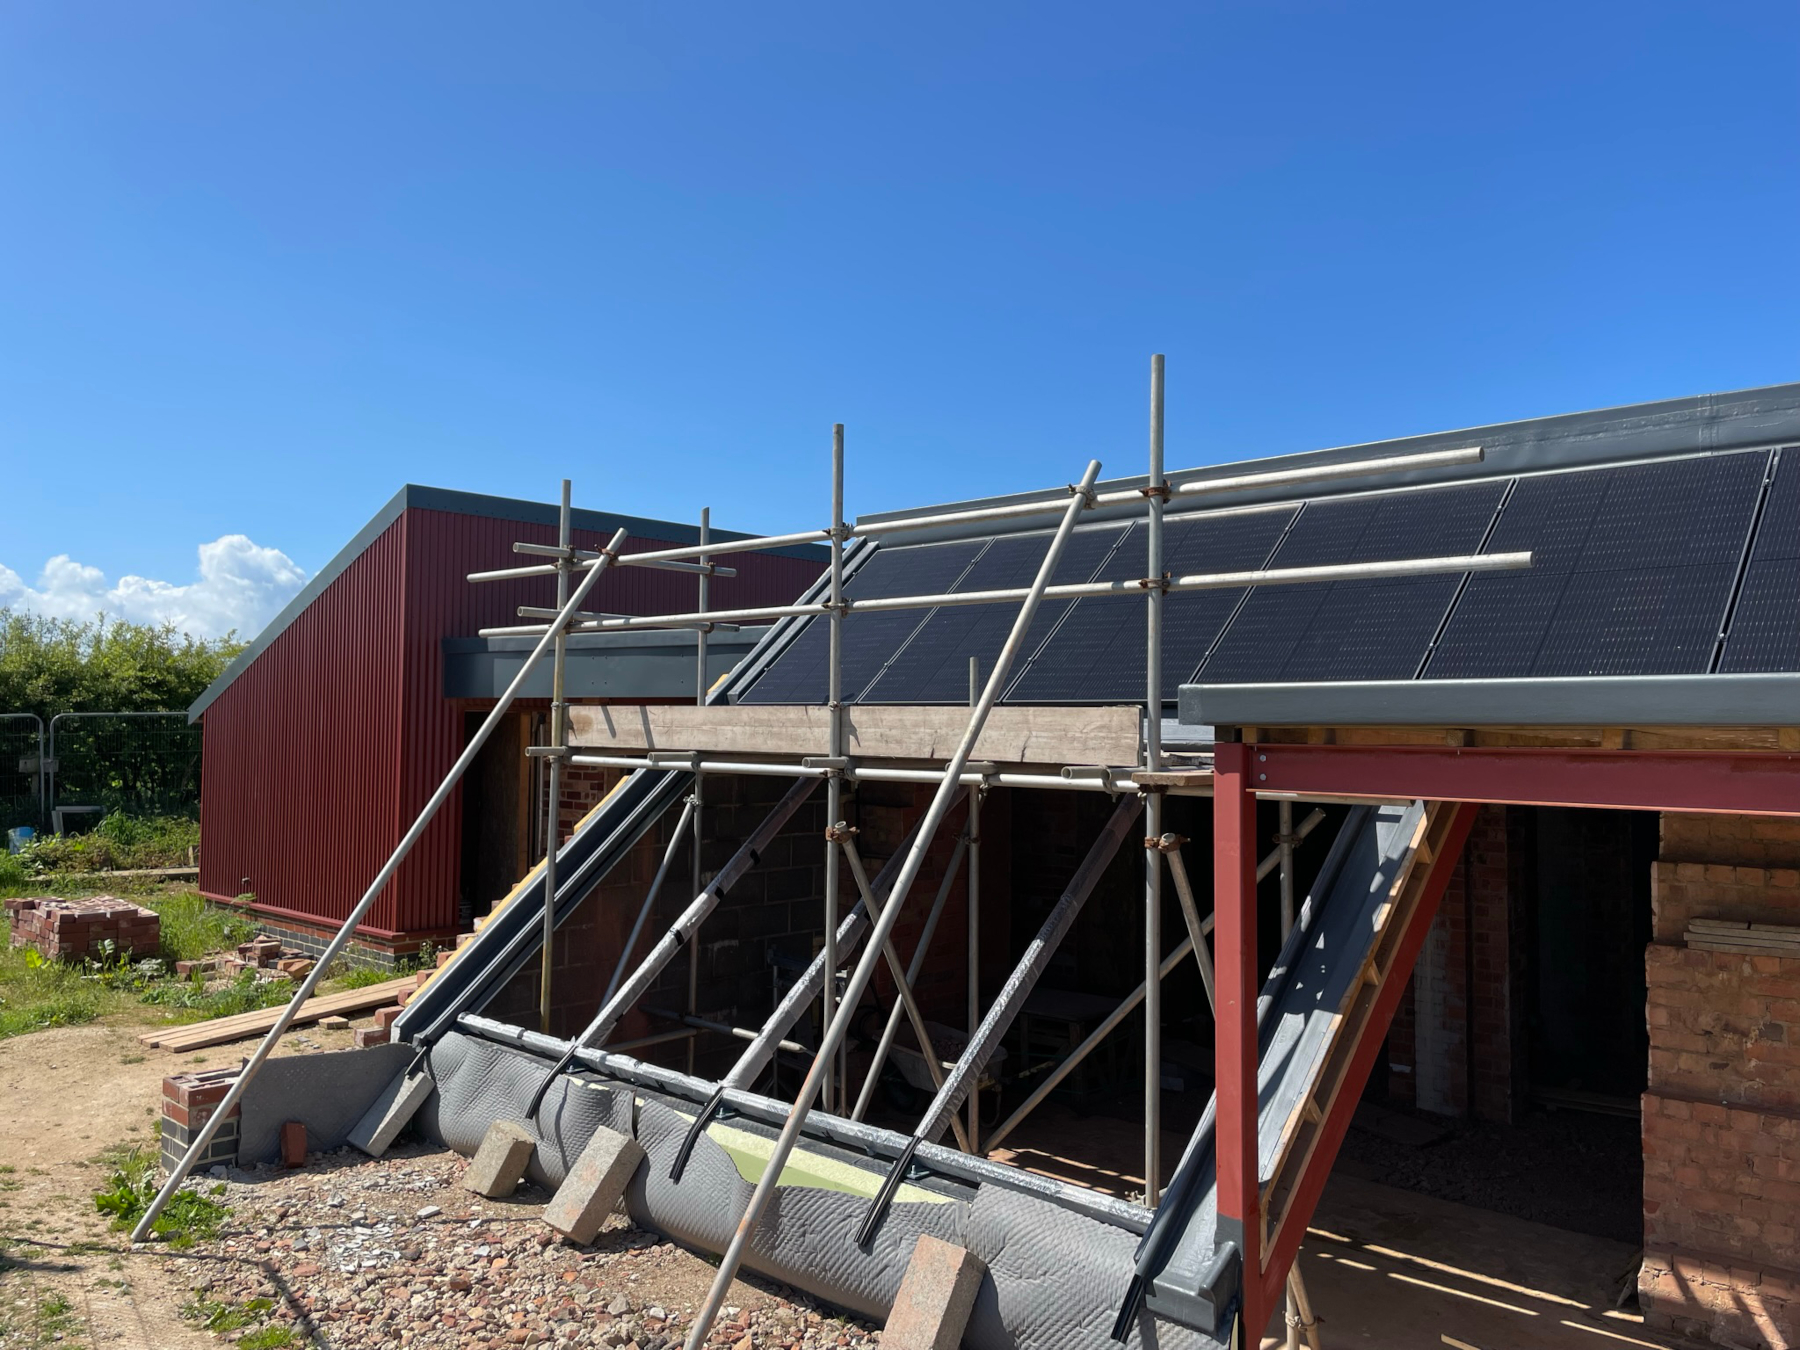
(1442, 1011)
(189, 1100)
(1722, 1115)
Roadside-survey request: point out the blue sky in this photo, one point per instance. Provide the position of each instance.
(260, 264)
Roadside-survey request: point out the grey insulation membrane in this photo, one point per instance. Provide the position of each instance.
(1054, 1276)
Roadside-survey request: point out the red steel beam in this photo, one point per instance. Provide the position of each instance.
(1236, 983)
(1744, 783)
(1305, 1197)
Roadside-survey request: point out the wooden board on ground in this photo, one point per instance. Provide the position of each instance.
(875, 731)
(199, 1035)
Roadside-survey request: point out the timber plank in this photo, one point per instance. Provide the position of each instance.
(200, 1035)
(1024, 735)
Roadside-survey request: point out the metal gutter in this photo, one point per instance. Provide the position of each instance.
(1614, 701)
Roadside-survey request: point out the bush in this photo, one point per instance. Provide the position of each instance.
(118, 842)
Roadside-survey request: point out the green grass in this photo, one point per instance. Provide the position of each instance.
(212, 1314)
(35, 994)
(191, 928)
(44, 1319)
(190, 1216)
(244, 994)
(269, 1338)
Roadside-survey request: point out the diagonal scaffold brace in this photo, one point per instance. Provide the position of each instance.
(146, 1225)
(1081, 496)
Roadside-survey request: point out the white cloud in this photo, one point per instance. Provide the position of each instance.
(241, 585)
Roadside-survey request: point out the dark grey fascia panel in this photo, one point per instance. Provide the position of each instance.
(1679, 426)
(650, 665)
(1620, 701)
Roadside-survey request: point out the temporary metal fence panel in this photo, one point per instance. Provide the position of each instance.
(22, 771)
(138, 763)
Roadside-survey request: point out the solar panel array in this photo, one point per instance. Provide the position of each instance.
(1764, 634)
(1636, 570)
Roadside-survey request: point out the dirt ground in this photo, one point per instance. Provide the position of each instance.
(350, 1253)
(66, 1095)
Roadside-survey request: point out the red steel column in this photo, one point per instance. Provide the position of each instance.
(1234, 905)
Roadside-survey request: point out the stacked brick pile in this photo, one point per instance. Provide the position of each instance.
(261, 954)
(77, 929)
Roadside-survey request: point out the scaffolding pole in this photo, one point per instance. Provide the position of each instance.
(342, 938)
(558, 751)
(1153, 800)
(1082, 590)
(1199, 487)
(835, 1030)
(973, 894)
(696, 876)
(834, 785)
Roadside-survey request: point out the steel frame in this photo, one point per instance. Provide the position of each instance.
(1759, 783)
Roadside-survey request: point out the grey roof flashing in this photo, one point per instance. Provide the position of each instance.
(1613, 701)
(1701, 424)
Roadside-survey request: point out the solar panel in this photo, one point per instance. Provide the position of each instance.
(1355, 630)
(1765, 629)
(1097, 653)
(934, 666)
(1631, 572)
(801, 673)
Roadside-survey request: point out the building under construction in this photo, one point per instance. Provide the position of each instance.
(1197, 809)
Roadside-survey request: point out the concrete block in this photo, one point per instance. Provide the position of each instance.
(594, 1185)
(936, 1296)
(500, 1163)
(398, 1103)
(293, 1144)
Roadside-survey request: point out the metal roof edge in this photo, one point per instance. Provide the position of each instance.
(313, 589)
(1597, 700)
(1680, 426)
(599, 522)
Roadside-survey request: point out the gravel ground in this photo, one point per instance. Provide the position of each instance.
(362, 1253)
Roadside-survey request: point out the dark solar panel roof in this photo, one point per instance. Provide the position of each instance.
(1763, 635)
(1675, 566)
(1632, 570)
(1356, 630)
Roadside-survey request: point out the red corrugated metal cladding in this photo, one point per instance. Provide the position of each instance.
(324, 748)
